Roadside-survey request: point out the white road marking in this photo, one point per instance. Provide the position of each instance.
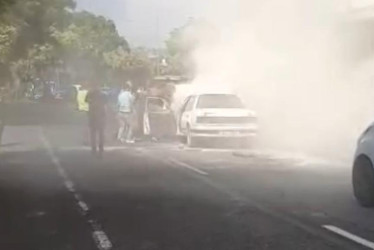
(102, 240)
(77, 197)
(69, 186)
(61, 171)
(99, 236)
(350, 236)
(185, 165)
(83, 206)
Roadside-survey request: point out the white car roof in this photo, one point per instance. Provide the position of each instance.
(214, 93)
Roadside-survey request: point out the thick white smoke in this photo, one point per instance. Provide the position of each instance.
(287, 61)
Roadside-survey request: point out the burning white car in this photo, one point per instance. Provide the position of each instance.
(216, 116)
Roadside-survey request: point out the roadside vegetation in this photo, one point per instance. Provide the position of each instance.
(48, 40)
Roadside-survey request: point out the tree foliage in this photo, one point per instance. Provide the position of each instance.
(41, 37)
(4, 5)
(8, 35)
(90, 34)
(121, 59)
(92, 45)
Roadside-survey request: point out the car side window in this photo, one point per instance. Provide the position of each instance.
(189, 105)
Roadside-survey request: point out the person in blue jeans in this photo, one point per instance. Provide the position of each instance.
(125, 114)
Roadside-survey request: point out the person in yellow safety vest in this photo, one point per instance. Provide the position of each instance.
(83, 106)
(81, 99)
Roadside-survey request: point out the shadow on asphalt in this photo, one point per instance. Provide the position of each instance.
(36, 211)
(144, 204)
(145, 212)
(6, 145)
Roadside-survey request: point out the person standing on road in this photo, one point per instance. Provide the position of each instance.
(125, 114)
(81, 97)
(82, 107)
(97, 101)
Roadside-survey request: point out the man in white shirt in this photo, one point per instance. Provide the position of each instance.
(125, 114)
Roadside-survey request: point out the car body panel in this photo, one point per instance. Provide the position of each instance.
(186, 114)
(363, 169)
(365, 144)
(225, 112)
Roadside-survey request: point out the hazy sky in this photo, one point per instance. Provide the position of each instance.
(146, 22)
(362, 3)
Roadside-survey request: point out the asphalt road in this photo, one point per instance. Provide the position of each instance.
(55, 195)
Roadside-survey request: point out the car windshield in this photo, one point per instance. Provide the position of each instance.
(219, 101)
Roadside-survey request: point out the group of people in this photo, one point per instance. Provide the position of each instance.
(97, 110)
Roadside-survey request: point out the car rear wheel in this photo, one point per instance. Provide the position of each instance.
(363, 181)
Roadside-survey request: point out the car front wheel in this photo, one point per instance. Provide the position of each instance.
(191, 141)
(363, 181)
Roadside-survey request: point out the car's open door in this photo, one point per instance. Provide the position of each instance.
(159, 120)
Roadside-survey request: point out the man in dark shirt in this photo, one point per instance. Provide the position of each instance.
(96, 100)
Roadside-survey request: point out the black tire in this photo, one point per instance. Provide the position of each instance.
(190, 140)
(363, 181)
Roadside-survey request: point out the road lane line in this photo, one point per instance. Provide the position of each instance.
(69, 186)
(61, 171)
(185, 165)
(102, 240)
(83, 206)
(77, 197)
(99, 236)
(235, 196)
(350, 236)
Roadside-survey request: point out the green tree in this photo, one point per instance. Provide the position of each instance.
(132, 65)
(25, 31)
(41, 37)
(35, 19)
(90, 34)
(87, 43)
(121, 59)
(4, 5)
(8, 35)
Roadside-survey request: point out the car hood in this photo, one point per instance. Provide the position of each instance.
(225, 112)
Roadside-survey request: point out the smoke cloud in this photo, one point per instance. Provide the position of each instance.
(294, 63)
